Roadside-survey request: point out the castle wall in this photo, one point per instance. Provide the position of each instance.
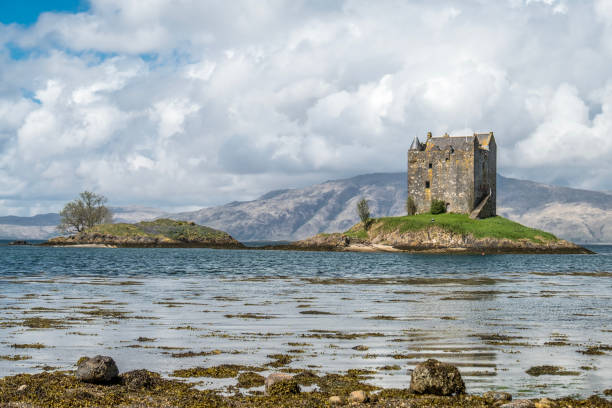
(485, 169)
(451, 179)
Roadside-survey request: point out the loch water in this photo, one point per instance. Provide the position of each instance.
(494, 316)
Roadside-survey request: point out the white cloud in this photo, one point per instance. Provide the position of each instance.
(236, 98)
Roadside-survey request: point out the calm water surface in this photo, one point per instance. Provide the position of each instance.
(493, 316)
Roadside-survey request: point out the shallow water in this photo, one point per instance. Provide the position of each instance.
(491, 315)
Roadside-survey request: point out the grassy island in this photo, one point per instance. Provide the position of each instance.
(441, 233)
(157, 233)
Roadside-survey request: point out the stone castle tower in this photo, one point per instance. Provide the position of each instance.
(460, 170)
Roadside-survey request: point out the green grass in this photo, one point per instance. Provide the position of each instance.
(493, 227)
(176, 230)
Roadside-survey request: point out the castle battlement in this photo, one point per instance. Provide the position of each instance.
(459, 170)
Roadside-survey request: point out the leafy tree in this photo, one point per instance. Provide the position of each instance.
(363, 209)
(84, 212)
(437, 207)
(411, 208)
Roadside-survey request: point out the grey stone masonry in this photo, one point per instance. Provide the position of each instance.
(459, 170)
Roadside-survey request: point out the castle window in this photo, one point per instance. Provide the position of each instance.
(427, 184)
(430, 165)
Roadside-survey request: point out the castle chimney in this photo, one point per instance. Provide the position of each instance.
(446, 134)
(429, 135)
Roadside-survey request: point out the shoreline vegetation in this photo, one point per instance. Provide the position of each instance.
(421, 233)
(301, 388)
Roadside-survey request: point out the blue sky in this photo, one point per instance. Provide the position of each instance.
(27, 11)
(195, 103)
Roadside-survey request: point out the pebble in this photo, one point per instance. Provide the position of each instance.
(358, 396)
(335, 400)
(22, 387)
(497, 396)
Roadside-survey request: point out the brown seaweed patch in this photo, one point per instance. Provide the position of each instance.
(250, 379)
(280, 360)
(15, 357)
(596, 350)
(601, 274)
(392, 367)
(556, 343)
(227, 298)
(404, 281)
(43, 323)
(478, 373)
(381, 317)
(326, 334)
(410, 356)
(315, 312)
(496, 339)
(220, 371)
(257, 316)
(298, 344)
(196, 354)
(106, 313)
(28, 346)
(536, 371)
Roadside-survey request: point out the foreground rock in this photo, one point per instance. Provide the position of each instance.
(281, 384)
(497, 396)
(142, 388)
(97, 370)
(163, 233)
(434, 377)
(448, 233)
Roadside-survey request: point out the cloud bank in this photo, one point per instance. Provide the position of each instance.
(189, 103)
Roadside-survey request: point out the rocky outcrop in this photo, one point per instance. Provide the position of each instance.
(435, 239)
(436, 378)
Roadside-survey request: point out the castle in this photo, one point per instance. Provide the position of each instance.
(461, 171)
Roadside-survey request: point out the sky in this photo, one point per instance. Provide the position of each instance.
(185, 104)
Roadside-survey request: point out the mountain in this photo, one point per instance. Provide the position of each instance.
(577, 215)
(43, 226)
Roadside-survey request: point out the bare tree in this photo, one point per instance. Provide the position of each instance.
(363, 209)
(84, 212)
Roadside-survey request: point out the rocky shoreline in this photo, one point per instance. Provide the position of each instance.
(432, 240)
(97, 382)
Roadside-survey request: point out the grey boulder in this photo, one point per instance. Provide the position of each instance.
(97, 370)
(436, 378)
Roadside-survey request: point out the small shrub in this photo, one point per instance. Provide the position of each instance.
(437, 207)
(411, 208)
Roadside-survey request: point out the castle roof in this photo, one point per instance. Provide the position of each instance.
(416, 144)
(459, 142)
